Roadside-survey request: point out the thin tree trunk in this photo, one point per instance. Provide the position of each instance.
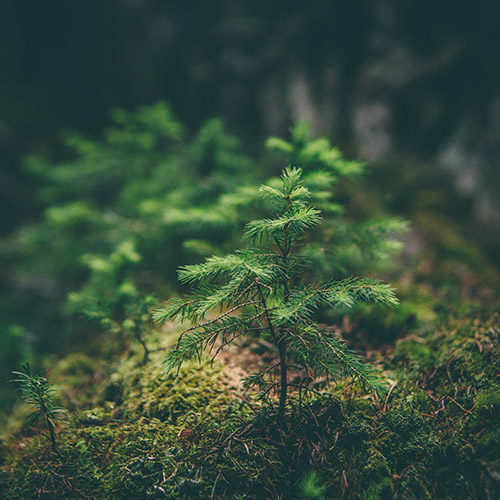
(141, 341)
(283, 366)
(283, 384)
(52, 436)
(285, 253)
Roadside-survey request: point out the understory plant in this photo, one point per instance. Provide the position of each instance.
(263, 289)
(38, 393)
(110, 297)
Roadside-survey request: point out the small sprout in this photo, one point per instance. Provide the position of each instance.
(38, 393)
(311, 487)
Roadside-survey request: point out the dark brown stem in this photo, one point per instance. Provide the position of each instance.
(283, 383)
(52, 434)
(266, 313)
(285, 253)
(141, 341)
(282, 353)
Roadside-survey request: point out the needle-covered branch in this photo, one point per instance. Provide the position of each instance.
(336, 294)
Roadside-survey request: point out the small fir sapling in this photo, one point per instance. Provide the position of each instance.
(137, 322)
(264, 290)
(39, 394)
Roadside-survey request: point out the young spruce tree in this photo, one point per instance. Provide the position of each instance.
(264, 290)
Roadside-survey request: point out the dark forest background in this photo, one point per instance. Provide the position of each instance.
(384, 78)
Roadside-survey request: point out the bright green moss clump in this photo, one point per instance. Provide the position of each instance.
(196, 391)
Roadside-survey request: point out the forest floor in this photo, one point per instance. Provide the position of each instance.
(132, 430)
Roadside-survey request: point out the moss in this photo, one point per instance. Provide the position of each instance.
(145, 433)
(196, 390)
(377, 475)
(487, 404)
(415, 354)
(77, 378)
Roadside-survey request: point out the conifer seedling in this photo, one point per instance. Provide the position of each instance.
(264, 289)
(39, 394)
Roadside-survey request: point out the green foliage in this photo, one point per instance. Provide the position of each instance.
(109, 287)
(342, 245)
(314, 154)
(269, 293)
(126, 209)
(110, 297)
(37, 393)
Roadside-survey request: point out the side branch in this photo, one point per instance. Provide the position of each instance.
(218, 318)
